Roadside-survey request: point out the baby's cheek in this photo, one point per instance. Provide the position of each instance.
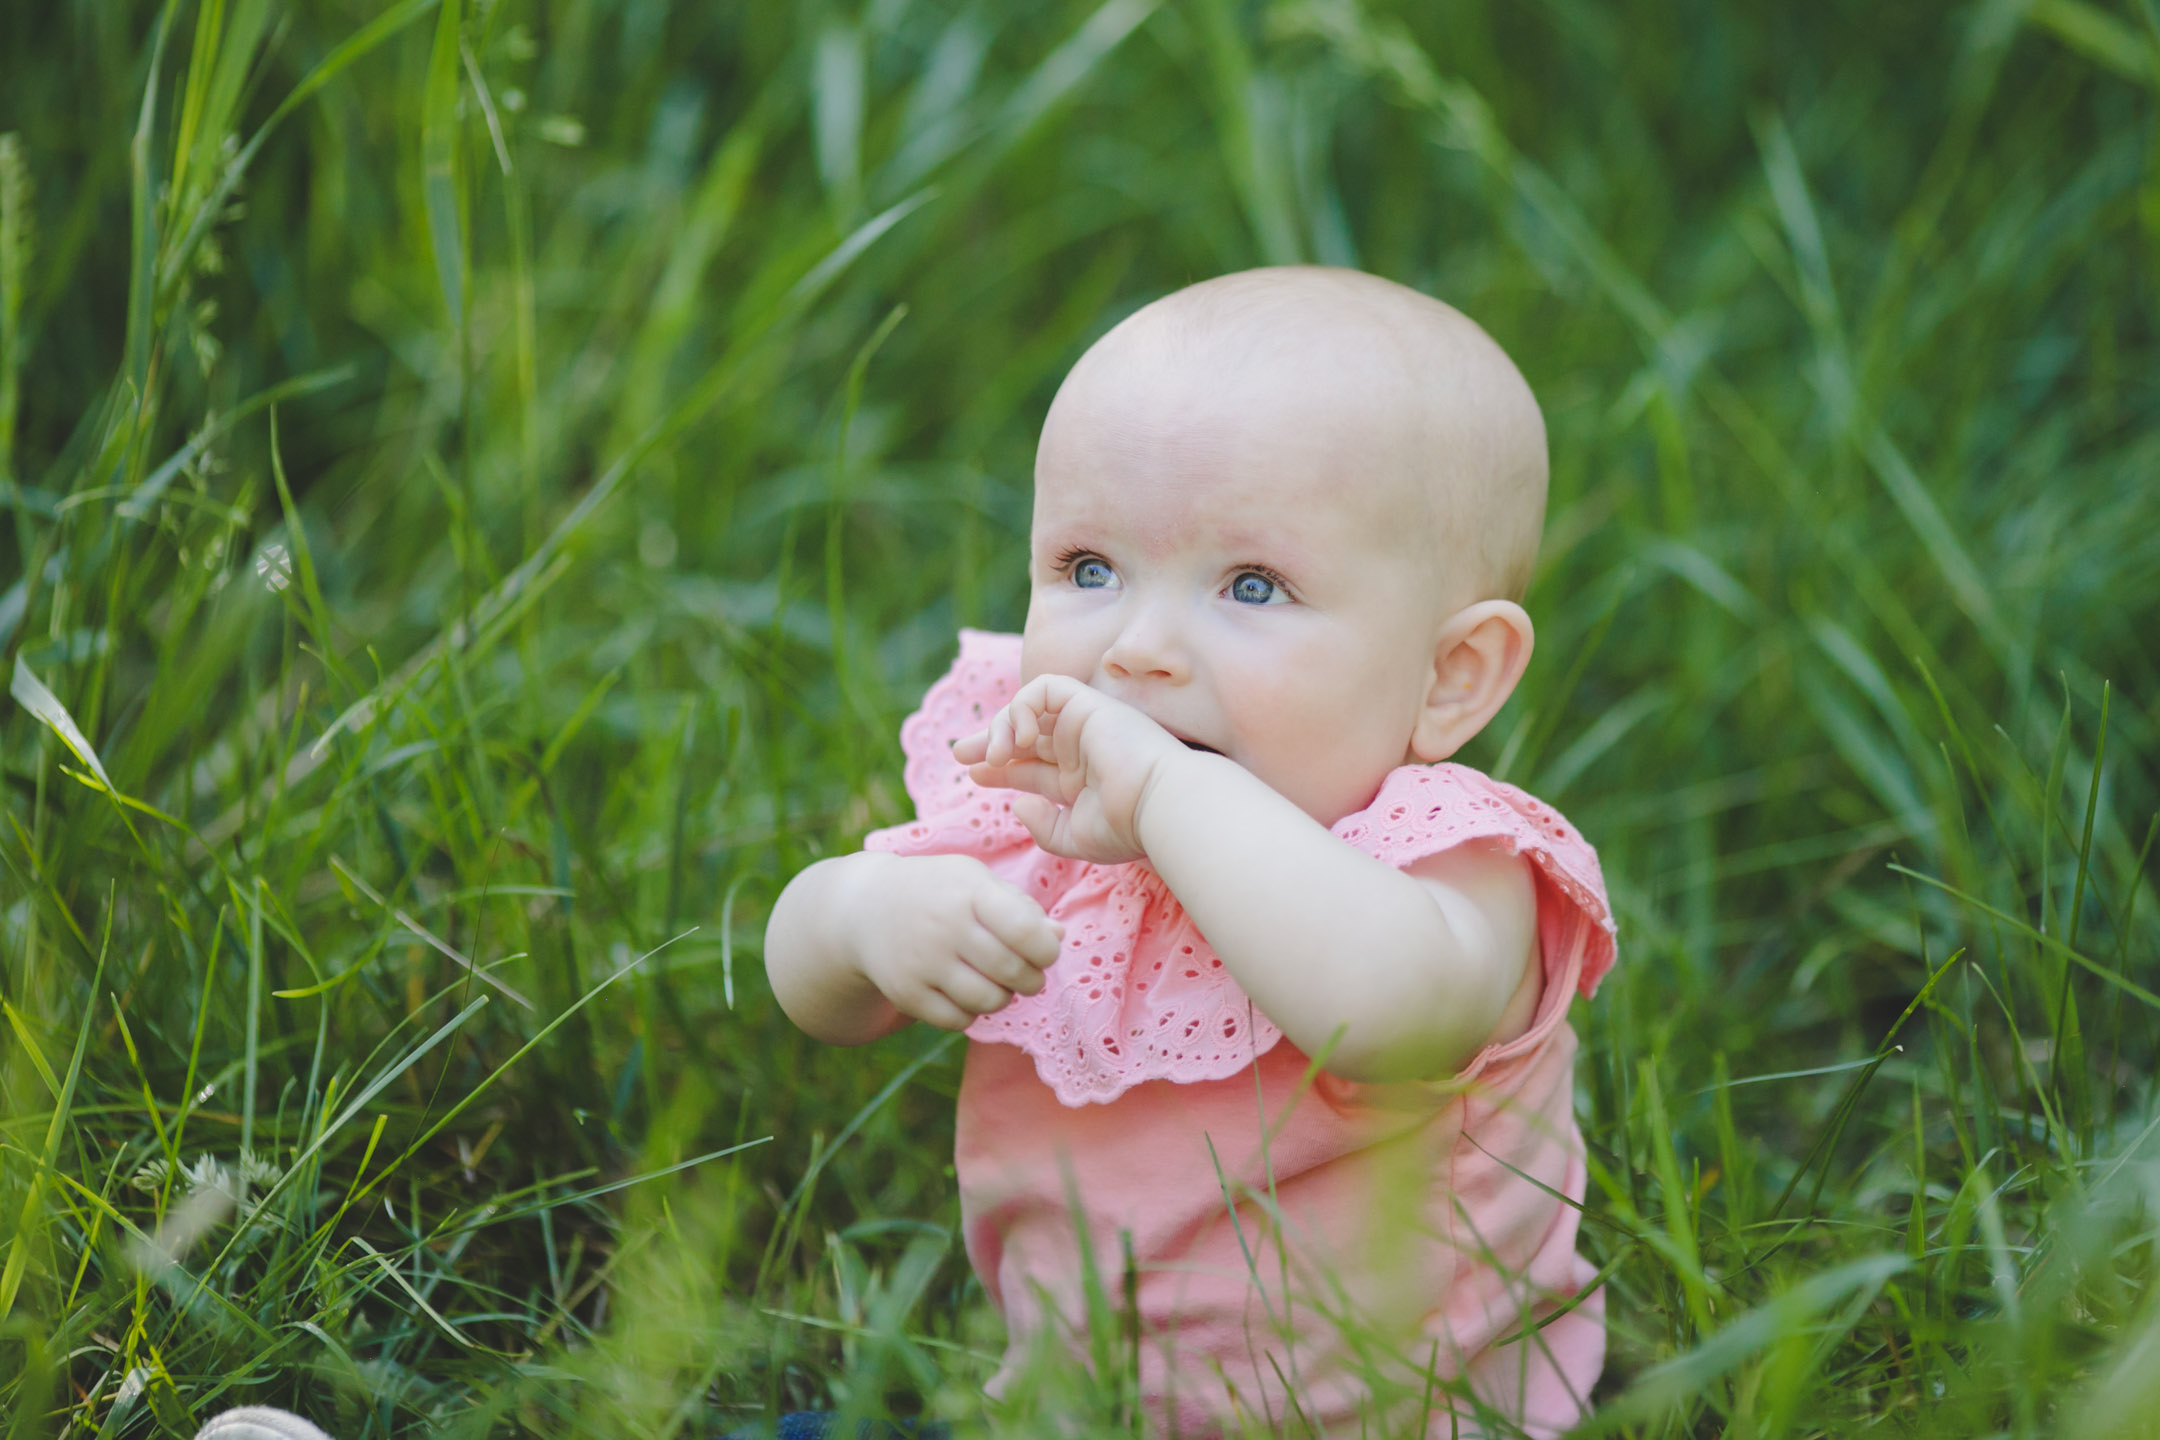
(1302, 722)
(1055, 643)
(1292, 746)
(1327, 758)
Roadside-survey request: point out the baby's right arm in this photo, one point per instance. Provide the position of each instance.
(860, 944)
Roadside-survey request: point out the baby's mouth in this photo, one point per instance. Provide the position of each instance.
(1187, 741)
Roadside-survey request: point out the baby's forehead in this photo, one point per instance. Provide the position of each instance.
(1345, 377)
(1203, 447)
(1400, 400)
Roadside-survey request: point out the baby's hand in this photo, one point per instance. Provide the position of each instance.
(1085, 759)
(946, 940)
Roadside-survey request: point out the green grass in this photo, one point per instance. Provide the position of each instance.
(486, 480)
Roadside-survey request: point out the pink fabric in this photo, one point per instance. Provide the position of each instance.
(1143, 1083)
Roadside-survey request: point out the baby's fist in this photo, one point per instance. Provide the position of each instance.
(1085, 759)
(953, 941)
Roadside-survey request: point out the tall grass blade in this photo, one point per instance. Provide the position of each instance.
(28, 1221)
(440, 169)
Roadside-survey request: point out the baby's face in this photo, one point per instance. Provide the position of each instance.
(1246, 558)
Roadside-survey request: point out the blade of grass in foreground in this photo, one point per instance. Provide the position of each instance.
(1853, 1284)
(27, 1222)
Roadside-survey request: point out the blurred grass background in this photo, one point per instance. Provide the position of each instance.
(487, 478)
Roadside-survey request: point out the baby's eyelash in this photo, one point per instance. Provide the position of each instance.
(1268, 570)
(1069, 558)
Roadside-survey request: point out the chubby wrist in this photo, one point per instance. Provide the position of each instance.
(1172, 787)
(856, 895)
(815, 947)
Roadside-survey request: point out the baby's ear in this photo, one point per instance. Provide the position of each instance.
(1479, 659)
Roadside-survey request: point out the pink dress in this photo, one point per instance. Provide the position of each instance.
(1297, 1243)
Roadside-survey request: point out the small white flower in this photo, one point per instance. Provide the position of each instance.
(200, 1211)
(274, 565)
(207, 1173)
(565, 130)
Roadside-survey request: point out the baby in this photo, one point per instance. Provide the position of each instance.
(1267, 1004)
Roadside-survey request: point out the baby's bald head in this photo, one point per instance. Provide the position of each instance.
(1403, 401)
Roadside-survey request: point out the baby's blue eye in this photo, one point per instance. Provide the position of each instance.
(1251, 587)
(1092, 574)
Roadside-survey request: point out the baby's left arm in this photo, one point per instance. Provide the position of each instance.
(1407, 973)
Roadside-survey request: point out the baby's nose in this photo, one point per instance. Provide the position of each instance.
(1149, 647)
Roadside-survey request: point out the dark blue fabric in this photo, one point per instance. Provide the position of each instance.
(820, 1425)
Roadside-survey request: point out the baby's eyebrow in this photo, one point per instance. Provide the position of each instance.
(1280, 552)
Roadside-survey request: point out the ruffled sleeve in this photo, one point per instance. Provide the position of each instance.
(1427, 809)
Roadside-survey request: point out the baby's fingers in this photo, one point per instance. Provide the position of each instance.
(1020, 773)
(997, 746)
(934, 1007)
(1019, 925)
(1040, 815)
(967, 985)
(1015, 733)
(987, 975)
(1026, 727)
